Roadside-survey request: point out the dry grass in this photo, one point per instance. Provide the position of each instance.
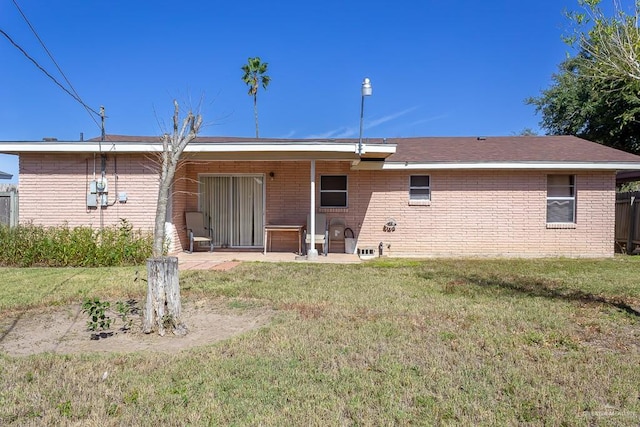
(391, 342)
(39, 287)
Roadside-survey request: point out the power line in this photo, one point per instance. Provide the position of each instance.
(35, 33)
(17, 46)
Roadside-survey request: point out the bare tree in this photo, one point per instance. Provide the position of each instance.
(163, 308)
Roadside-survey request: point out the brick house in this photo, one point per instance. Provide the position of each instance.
(438, 196)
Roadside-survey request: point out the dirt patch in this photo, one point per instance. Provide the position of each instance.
(64, 330)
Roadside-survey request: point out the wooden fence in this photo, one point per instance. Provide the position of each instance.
(627, 221)
(9, 207)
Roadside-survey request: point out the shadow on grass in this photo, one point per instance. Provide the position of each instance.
(10, 328)
(545, 289)
(21, 314)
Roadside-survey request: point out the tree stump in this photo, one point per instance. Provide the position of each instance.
(163, 308)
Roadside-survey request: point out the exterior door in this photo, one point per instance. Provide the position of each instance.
(235, 205)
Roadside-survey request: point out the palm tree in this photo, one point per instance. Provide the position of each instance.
(254, 75)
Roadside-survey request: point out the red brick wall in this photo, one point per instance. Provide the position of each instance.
(486, 213)
(471, 213)
(54, 187)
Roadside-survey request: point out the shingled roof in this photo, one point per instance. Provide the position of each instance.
(236, 139)
(499, 149)
(505, 149)
(386, 153)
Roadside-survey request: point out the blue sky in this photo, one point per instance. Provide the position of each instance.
(437, 68)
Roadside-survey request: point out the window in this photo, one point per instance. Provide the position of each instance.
(561, 199)
(333, 191)
(419, 190)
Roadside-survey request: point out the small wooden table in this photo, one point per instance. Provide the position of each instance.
(282, 227)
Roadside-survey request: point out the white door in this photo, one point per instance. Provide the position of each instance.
(235, 205)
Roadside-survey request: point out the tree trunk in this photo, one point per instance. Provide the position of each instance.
(163, 309)
(255, 113)
(166, 178)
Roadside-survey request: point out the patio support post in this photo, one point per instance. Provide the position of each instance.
(312, 253)
(633, 205)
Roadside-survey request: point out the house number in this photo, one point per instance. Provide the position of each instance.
(389, 226)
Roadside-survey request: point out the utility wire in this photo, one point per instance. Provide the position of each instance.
(17, 46)
(35, 33)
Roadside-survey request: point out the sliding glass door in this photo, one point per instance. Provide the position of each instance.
(235, 206)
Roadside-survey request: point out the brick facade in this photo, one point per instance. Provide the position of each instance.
(54, 187)
(471, 213)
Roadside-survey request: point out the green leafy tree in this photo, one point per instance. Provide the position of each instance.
(595, 94)
(254, 76)
(599, 111)
(611, 42)
(527, 132)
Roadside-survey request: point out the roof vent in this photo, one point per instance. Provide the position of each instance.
(481, 138)
(49, 139)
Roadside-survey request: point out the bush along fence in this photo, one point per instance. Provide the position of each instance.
(32, 245)
(627, 233)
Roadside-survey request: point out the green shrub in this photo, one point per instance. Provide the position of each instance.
(34, 245)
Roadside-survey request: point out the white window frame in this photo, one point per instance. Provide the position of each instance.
(345, 191)
(572, 198)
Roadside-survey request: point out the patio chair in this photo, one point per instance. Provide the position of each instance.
(197, 231)
(321, 233)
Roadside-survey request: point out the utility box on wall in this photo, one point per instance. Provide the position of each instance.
(92, 201)
(98, 186)
(101, 185)
(98, 190)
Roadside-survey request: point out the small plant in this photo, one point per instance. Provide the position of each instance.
(132, 397)
(124, 311)
(113, 410)
(97, 311)
(99, 320)
(169, 322)
(64, 408)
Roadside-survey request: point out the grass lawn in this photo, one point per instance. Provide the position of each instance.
(387, 342)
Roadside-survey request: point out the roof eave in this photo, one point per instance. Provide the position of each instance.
(556, 165)
(302, 147)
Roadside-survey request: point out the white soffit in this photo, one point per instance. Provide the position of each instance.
(194, 147)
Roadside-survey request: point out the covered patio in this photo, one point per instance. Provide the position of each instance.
(251, 192)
